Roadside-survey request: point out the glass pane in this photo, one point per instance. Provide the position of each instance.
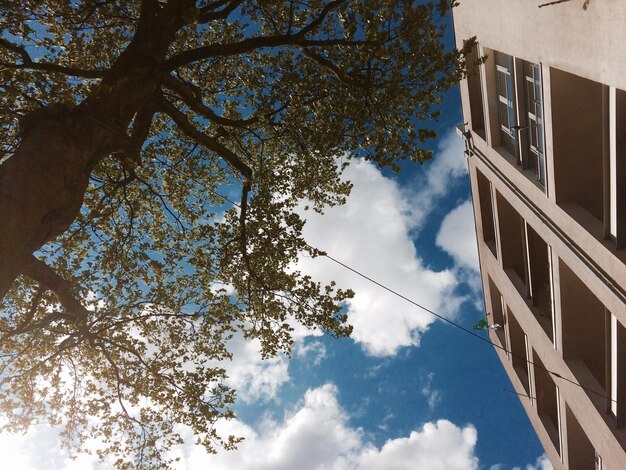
(502, 88)
(528, 69)
(502, 59)
(530, 97)
(508, 142)
(509, 88)
(504, 115)
(537, 97)
(532, 131)
(534, 161)
(537, 73)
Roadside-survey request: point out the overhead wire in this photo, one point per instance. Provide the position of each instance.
(465, 330)
(441, 317)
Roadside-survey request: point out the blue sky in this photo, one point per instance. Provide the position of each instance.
(407, 391)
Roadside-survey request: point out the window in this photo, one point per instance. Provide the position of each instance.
(477, 113)
(616, 358)
(506, 100)
(498, 312)
(578, 138)
(519, 352)
(486, 212)
(539, 279)
(511, 242)
(516, 107)
(547, 394)
(582, 455)
(589, 139)
(526, 260)
(534, 124)
(584, 325)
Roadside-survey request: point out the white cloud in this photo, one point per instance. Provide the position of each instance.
(433, 397)
(315, 349)
(315, 436)
(457, 236)
(372, 233)
(18, 448)
(254, 378)
(447, 166)
(318, 436)
(438, 446)
(542, 463)
(40, 449)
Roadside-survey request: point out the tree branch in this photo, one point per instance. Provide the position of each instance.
(28, 63)
(28, 318)
(243, 236)
(345, 77)
(148, 8)
(161, 198)
(233, 160)
(141, 127)
(259, 42)
(207, 141)
(193, 98)
(39, 271)
(322, 16)
(211, 12)
(252, 44)
(138, 135)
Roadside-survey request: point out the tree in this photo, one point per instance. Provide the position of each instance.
(124, 270)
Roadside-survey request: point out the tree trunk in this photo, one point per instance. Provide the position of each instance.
(42, 185)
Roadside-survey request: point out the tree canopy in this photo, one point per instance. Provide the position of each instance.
(127, 127)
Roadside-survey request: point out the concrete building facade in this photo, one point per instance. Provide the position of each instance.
(545, 138)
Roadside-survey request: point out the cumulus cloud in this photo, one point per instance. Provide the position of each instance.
(40, 449)
(438, 446)
(315, 350)
(317, 435)
(257, 379)
(433, 397)
(372, 233)
(254, 378)
(447, 167)
(457, 236)
(542, 463)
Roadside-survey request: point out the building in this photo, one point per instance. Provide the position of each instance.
(545, 135)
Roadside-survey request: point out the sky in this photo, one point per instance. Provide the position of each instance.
(406, 391)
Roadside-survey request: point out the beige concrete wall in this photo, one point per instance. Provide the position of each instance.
(562, 38)
(602, 435)
(589, 43)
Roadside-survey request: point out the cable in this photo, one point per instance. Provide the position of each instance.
(462, 328)
(441, 317)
